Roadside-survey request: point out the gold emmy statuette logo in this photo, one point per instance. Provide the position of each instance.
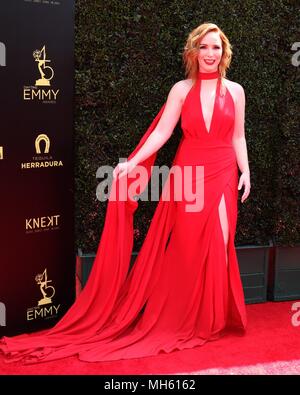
(41, 91)
(46, 72)
(1, 153)
(47, 290)
(45, 138)
(46, 308)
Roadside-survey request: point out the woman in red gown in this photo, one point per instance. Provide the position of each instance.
(184, 288)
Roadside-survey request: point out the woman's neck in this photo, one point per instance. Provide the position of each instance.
(203, 75)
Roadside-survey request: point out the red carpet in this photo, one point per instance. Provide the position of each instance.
(270, 368)
(270, 338)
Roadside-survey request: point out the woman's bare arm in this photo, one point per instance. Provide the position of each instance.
(161, 133)
(165, 126)
(238, 138)
(239, 141)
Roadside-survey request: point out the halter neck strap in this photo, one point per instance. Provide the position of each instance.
(208, 76)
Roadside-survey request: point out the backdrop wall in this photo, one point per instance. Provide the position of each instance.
(37, 260)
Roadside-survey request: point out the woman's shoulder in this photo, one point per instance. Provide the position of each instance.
(182, 87)
(184, 84)
(236, 89)
(234, 85)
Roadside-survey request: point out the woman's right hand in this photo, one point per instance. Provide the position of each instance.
(122, 169)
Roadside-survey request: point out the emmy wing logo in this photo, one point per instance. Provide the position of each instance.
(46, 308)
(47, 290)
(46, 72)
(41, 91)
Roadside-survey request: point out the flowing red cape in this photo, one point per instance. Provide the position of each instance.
(96, 304)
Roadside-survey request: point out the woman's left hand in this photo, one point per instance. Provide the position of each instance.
(245, 180)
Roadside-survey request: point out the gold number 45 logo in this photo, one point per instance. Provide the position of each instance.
(47, 290)
(45, 71)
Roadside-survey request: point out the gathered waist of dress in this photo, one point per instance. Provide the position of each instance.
(205, 144)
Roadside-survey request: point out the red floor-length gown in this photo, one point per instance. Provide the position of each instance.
(180, 292)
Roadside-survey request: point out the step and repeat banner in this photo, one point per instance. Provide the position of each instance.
(37, 254)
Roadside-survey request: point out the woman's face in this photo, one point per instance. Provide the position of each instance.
(210, 52)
